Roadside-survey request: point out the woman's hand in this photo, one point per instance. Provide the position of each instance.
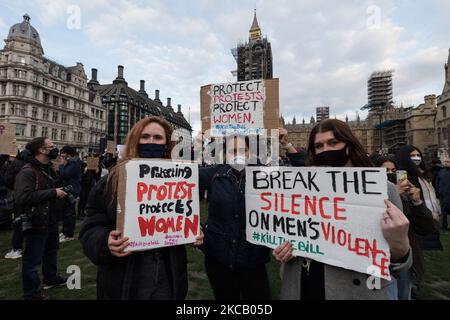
(283, 253)
(403, 187)
(199, 239)
(414, 194)
(283, 136)
(394, 226)
(116, 245)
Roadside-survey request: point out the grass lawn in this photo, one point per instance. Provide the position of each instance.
(437, 283)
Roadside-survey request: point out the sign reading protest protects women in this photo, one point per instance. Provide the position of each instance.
(158, 203)
(331, 215)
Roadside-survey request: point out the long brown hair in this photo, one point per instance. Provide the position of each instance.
(132, 147)
(342, 132)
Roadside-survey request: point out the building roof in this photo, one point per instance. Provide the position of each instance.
(25, 31)
(120, 89)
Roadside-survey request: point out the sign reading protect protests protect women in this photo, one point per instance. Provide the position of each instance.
(158, 203)
(237, 108)
(331, 215)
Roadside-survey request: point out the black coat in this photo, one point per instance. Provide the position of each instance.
(14, 168)
(225, 234)
(115, 275)
(421, 224)
(35, 194)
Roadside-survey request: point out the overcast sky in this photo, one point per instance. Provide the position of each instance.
(323, 51)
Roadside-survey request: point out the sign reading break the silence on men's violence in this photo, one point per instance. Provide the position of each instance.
(245, 107)
(331, 215)
(158, 203)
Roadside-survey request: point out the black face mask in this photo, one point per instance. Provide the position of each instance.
(152, 150)
(333, 158)
(392, 177)
(53, 154)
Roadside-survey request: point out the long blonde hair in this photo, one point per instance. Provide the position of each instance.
(132, 147)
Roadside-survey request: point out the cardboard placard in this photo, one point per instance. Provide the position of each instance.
(8, 143)
(158, 203)
(92, 163)
(246, 107)
(323, 212)
(111, 147)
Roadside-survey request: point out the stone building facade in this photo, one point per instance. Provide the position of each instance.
(44, 98)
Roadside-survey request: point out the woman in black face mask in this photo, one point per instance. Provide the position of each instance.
(159, 274)
(332, 144)
(421, 224)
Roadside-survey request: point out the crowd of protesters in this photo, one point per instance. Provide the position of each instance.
(47, 200)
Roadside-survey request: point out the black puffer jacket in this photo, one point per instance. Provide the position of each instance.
(115, 275)
(35, 194)
(225, 236)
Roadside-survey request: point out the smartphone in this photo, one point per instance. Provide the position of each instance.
(401, 176)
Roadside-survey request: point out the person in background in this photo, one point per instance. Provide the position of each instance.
(443, 185)
(420, 221)
(87, 183)
(36, 192)
(19, 162)
(333, 144)
(70, 173)
(410, 159)
(158, 274)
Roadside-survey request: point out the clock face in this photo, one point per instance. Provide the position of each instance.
(255, 34)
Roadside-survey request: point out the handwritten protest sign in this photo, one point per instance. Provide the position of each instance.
(111, 147)
(158, 203)
(8, 138)
(245, 107)
(331, 215)
(92, 163)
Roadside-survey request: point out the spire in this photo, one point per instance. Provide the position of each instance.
(294, 121)
(255, 30)
(447, 74)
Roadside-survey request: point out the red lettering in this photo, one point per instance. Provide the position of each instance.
(310, 205)
(146, 226)
(322, 212)
(191, 226)
(293, 204)
(337, 209)
(142, 188)
(263, 198)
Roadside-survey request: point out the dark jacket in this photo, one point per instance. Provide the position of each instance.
(10, 175)
(225, 236)
(115, 275)
(443, 189)
(421, 224)
(71, 175)
(4, 190)
(35, 194)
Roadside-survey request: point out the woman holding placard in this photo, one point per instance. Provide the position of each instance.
(332, 144)
(159, 274)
